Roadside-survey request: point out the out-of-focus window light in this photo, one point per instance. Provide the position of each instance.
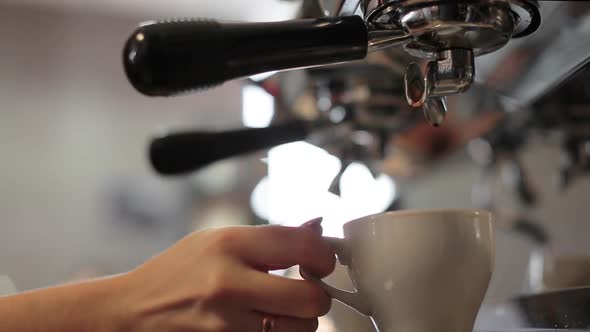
(258, 107)
(296, 189)
(362, 194)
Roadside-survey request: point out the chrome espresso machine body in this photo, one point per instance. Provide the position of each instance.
(508, 69)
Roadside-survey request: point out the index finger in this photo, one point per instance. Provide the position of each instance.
(279, 246)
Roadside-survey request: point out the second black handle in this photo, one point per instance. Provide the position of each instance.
(186, 152)
(170, 58)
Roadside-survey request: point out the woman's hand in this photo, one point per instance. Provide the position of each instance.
(217, 281)
(211, 281)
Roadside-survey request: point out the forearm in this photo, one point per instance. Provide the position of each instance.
(82, 307)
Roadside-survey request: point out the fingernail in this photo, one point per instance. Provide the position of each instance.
(315, 225)
(314, 222)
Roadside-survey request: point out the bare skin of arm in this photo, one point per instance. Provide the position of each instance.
(88, 306)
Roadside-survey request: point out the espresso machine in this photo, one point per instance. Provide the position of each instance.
(179, 56)
(392, 69)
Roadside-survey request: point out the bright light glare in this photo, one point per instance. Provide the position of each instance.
(259, 199)
(299, 177)
(263, 76)
(296, 189)
(362, 194)
(258, 107)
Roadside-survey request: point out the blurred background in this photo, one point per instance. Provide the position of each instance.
(78, 198)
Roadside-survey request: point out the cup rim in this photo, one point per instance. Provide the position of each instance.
(410, 212)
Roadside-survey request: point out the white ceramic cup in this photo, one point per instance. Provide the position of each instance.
(417, 271)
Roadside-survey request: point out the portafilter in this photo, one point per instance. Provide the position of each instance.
(179, 56)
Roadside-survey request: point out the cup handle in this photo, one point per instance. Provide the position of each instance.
(351, 299)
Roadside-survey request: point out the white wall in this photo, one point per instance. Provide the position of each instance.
(70, 124)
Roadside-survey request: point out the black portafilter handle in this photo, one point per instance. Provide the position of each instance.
(186, 152)
(176, 57)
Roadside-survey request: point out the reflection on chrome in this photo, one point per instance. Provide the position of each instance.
(565, 309)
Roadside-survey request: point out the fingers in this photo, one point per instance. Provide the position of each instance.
(283, 296)
(272, 246)
(254, 321)
(277, 246)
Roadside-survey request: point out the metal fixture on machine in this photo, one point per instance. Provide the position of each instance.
(449, 34)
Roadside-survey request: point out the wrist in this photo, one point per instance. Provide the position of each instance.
(98, 305)
(112, 307)
(92, 306)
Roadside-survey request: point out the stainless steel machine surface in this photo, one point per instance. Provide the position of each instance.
(564, 309)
